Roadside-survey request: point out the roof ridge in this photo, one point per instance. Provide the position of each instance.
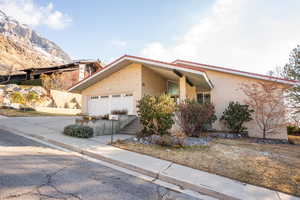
(233, 70)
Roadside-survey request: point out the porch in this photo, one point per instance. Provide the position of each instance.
(179, 84)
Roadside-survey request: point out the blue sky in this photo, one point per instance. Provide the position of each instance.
(107, 29)
(251, 35)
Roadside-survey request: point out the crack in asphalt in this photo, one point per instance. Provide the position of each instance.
(49, 183)
(168, 166)
(162, 195)
(18, 195)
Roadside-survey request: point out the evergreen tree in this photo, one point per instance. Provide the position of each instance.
(292, 71)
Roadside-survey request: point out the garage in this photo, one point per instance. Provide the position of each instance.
(101, 105)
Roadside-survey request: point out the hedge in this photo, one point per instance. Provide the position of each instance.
(80, 131)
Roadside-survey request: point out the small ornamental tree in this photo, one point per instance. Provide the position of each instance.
(8, 72)
(31, 98)
(193, 116)
(267, 101)
(156, 114)
(17, 97)
(235, 115)
(28, 99)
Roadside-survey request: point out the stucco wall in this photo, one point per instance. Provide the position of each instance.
(140, 80)
(191, 92)
(153, 83)
(126, 80)
(226, 89)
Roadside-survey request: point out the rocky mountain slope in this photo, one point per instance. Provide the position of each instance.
(21, 47)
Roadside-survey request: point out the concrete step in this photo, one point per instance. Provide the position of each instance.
(132, 128)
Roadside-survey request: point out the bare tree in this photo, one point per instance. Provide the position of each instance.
(267, 101)
(54, 81)
(8, 72)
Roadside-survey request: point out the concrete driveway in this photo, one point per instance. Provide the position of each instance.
(48, 126)
(49, 122)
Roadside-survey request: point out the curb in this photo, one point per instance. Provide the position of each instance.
(155, 176)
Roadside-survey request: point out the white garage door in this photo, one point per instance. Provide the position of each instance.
(101, 105)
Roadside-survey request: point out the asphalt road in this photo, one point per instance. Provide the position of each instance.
(30, 170)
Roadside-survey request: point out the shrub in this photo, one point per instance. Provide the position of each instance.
(193, 116)
(105, 117)
(37, 82)
(293, 130)
(235, 115)
(17, 97)
(119, 112)
(156, 114)
(165, 140)
(32, 97)
(80, 131)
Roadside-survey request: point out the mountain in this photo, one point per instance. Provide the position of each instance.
(21, 47)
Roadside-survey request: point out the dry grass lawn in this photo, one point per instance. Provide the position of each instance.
(18, 113)
(272, 166)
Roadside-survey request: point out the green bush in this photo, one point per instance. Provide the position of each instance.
(80, 131)
(293, 130)
(235, 115)
(36, 82)
(192, 117)
(17, 82)
(156, 114)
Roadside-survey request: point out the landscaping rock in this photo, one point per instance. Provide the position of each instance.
(10, 87)
(15, 105)
(39, 90)
(1, 92)
(17, 89)
(269, 141)
(187, 142)
(6, 100)
(228, 135)
(192, 141)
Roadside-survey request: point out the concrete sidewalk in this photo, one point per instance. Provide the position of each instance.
(203, 182)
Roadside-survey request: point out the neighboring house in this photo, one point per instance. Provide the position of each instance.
(120, 84)
(72, 72)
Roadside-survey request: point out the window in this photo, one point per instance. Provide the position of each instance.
(203, 97)
(94, 97)
(172, 88)
(116, 95)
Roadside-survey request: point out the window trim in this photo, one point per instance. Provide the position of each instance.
(203, 96)
(173, 82)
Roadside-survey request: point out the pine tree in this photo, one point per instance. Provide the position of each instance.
(292, 71)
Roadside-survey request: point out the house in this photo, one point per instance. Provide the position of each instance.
(72, 72)
(120, 84)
